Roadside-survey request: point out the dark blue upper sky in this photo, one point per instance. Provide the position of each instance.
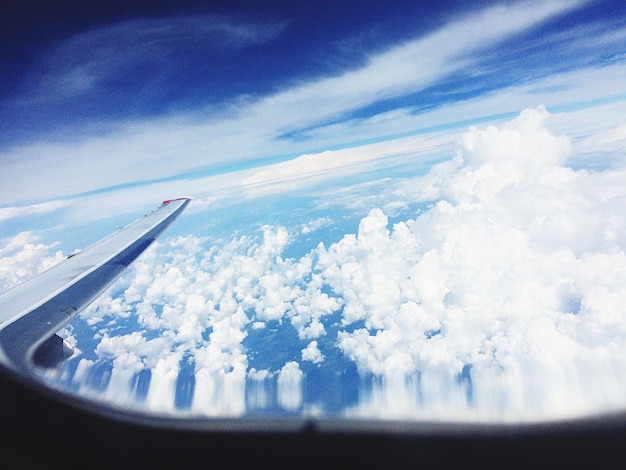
(186, 65)
(167, 56)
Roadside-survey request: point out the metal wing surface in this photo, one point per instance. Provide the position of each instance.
(32, 312)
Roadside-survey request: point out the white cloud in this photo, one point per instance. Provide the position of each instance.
(188, 292)
(162, 391)
(501, 300)
(315, 225)
(501, 274)
(290, 386)
(23, 256)
(33, 210)
(312, 353)
(408, 67)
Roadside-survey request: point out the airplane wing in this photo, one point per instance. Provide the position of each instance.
(31, 313)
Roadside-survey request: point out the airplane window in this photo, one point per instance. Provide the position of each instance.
(397, 214)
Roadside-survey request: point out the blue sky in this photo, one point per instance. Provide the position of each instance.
(97, 98)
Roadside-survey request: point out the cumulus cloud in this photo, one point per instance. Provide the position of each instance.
(23, 256)
(500, 300)
(492, 276)
(201, 302)
(290, 386)
(312, 353)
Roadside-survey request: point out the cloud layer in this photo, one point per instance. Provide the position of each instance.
(500, 299)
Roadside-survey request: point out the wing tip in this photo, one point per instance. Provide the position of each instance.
(167, 201)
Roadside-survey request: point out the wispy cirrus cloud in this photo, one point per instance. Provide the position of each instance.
(154, 49)
(150, 149)
(34, 210)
